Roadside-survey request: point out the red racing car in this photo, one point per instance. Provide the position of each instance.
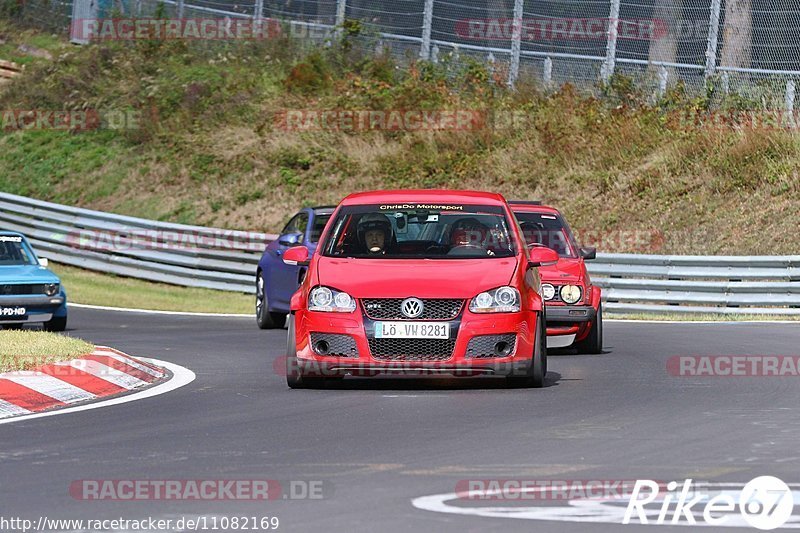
(419, 281)
(574, 314)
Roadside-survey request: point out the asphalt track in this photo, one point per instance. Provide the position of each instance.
(378, 444)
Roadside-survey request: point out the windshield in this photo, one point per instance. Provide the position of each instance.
(13, 251)
(415, 231)
(549, 230)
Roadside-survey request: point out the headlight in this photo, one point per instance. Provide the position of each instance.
(500, 300)
(51, 289)
(570, 294)
(548, 292)
(330, 300)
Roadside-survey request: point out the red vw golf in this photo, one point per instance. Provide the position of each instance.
(574, 312)
(419, 282)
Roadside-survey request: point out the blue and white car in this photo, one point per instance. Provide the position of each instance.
(277, 281)
(29, 292)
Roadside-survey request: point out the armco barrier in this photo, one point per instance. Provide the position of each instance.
(227, 259)
(135, 247)
(698, 284)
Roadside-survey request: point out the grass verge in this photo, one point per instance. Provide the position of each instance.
(93, 288)
(25, 349)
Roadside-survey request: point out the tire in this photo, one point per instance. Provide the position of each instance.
(264, 318)
(593, 343)
(294, 375)
(537, 371)
(58, 323)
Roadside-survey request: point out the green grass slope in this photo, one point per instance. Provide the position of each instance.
(209, 151)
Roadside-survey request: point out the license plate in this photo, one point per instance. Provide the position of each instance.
(10, 313)
(412, 330)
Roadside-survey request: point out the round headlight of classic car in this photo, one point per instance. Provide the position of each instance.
(51, 289)
(548, 292)
(570, 294)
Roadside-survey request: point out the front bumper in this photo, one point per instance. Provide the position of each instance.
(460, 360)
(570, 314)
(37, 308)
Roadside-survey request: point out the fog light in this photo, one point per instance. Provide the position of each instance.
(321, 347)
(502, 349)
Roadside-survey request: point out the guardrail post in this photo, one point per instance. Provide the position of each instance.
(516, 43)
(790, 94)
(713, 37)
(180, 9)
(611, 46)
(258, 14)
(548, 71)
(663, 80)
(427, 26)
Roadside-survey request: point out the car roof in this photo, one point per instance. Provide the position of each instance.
(323, 209)
(418, 196)
(11, 234)
(526, 206)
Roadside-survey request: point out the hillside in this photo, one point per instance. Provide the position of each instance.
(210, 147)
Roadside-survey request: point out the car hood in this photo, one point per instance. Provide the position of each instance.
(26, 274)
(565, 271)
(423, 278)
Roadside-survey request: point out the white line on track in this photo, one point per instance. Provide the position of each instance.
(240, 315)
(181, 376)
(154, 312)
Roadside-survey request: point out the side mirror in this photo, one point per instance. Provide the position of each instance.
(589, 253)
(43, 261)
(290, 239)
(296, 256)
(542, 256)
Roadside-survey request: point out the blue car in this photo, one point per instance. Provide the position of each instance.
(277, 281)
(29, 292)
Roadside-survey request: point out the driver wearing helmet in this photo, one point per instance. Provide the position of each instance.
(468, 232)
(375, 233)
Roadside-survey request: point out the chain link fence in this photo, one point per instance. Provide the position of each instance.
(749, 49)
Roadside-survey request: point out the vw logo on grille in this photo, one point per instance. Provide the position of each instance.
(412, 307)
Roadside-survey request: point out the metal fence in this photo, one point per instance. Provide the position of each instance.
(750, 48)
(226, 260)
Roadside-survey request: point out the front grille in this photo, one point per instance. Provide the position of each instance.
(412, 349)
(483, 346)
(389, 309)
(338, 345)
(17, 290)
